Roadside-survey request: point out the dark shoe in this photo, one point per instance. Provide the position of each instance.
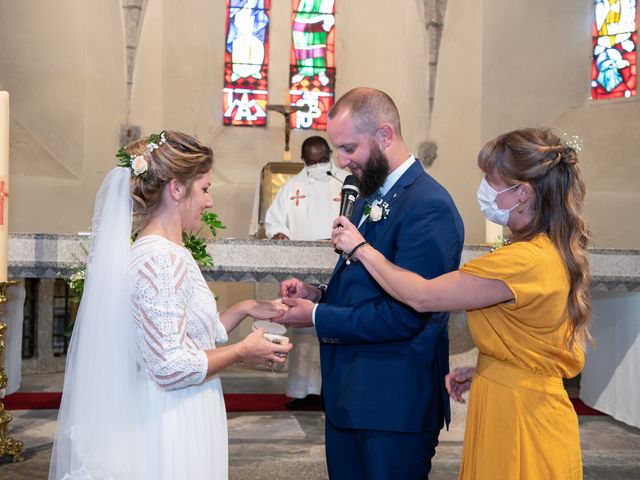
(310, 402)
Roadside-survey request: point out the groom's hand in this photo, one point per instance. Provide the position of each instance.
(295, 288)
(299, 314)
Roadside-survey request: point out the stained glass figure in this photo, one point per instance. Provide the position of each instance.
(615, 40)
(246, 59)
(312, 72)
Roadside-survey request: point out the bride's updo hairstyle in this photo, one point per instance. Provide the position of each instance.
(170, 155)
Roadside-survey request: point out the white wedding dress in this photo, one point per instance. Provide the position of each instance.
(184, 426)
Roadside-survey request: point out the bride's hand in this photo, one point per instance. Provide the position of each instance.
(257, 350)
(345, 236)
(266, 310)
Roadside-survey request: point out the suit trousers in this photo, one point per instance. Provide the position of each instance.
(354, 454)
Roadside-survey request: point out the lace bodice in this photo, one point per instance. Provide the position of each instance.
(174, 311)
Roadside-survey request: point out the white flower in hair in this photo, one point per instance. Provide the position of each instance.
(139, 165)
(155, 141)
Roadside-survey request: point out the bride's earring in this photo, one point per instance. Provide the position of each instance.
(520, 209)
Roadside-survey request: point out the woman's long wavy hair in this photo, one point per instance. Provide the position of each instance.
(538, 156)
(181, 157)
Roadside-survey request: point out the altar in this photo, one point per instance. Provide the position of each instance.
(47, 258)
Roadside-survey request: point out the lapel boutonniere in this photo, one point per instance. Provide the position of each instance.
(378, 210)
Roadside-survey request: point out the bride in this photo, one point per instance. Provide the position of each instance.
(141, 397)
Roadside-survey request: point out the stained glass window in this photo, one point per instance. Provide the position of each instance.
(615, 38)
(246, 58)
(312, 73)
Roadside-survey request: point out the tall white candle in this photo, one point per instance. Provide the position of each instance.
(491, 231)
(4, 184)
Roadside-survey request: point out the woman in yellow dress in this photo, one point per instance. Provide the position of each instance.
(528, 308)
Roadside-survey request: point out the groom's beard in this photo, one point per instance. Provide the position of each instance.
(375, 172)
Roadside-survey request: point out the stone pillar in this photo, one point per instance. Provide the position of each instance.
(133, 16)
(47, 362)
(434, 16)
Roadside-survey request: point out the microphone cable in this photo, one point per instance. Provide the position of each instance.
(332, 175)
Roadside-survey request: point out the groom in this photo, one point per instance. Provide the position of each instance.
(383, 364)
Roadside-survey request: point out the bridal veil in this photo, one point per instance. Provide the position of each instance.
(98, 432)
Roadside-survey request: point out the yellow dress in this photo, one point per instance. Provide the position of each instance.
(520, 422)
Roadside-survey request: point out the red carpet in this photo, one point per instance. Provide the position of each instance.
(235, 402)
(582, 409)
(32, 401)
(249, 402)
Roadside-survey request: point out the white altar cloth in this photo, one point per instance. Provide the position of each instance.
(609, 380)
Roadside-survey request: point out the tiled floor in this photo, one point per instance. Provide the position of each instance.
(290, 445)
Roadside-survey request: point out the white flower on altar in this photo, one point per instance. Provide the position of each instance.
(139, 165)
(77, 276)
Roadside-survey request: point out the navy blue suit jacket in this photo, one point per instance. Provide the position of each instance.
(383, 364)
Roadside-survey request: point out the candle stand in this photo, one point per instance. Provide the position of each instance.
(8, 446)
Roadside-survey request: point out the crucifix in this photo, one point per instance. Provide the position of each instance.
(286, 111)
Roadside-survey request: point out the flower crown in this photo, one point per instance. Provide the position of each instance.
(137, 163)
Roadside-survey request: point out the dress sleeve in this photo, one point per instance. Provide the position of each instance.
(220, 333)
(160, 306)
(517, 265)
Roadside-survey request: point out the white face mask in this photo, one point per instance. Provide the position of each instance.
(318, 171)
(487, 201)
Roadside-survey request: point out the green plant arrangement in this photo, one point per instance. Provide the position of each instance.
(76, 283)
(198, 245)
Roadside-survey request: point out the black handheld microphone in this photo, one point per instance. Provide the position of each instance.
(350, 191)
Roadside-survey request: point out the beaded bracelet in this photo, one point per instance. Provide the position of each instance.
(350, 254)
(323, 290)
